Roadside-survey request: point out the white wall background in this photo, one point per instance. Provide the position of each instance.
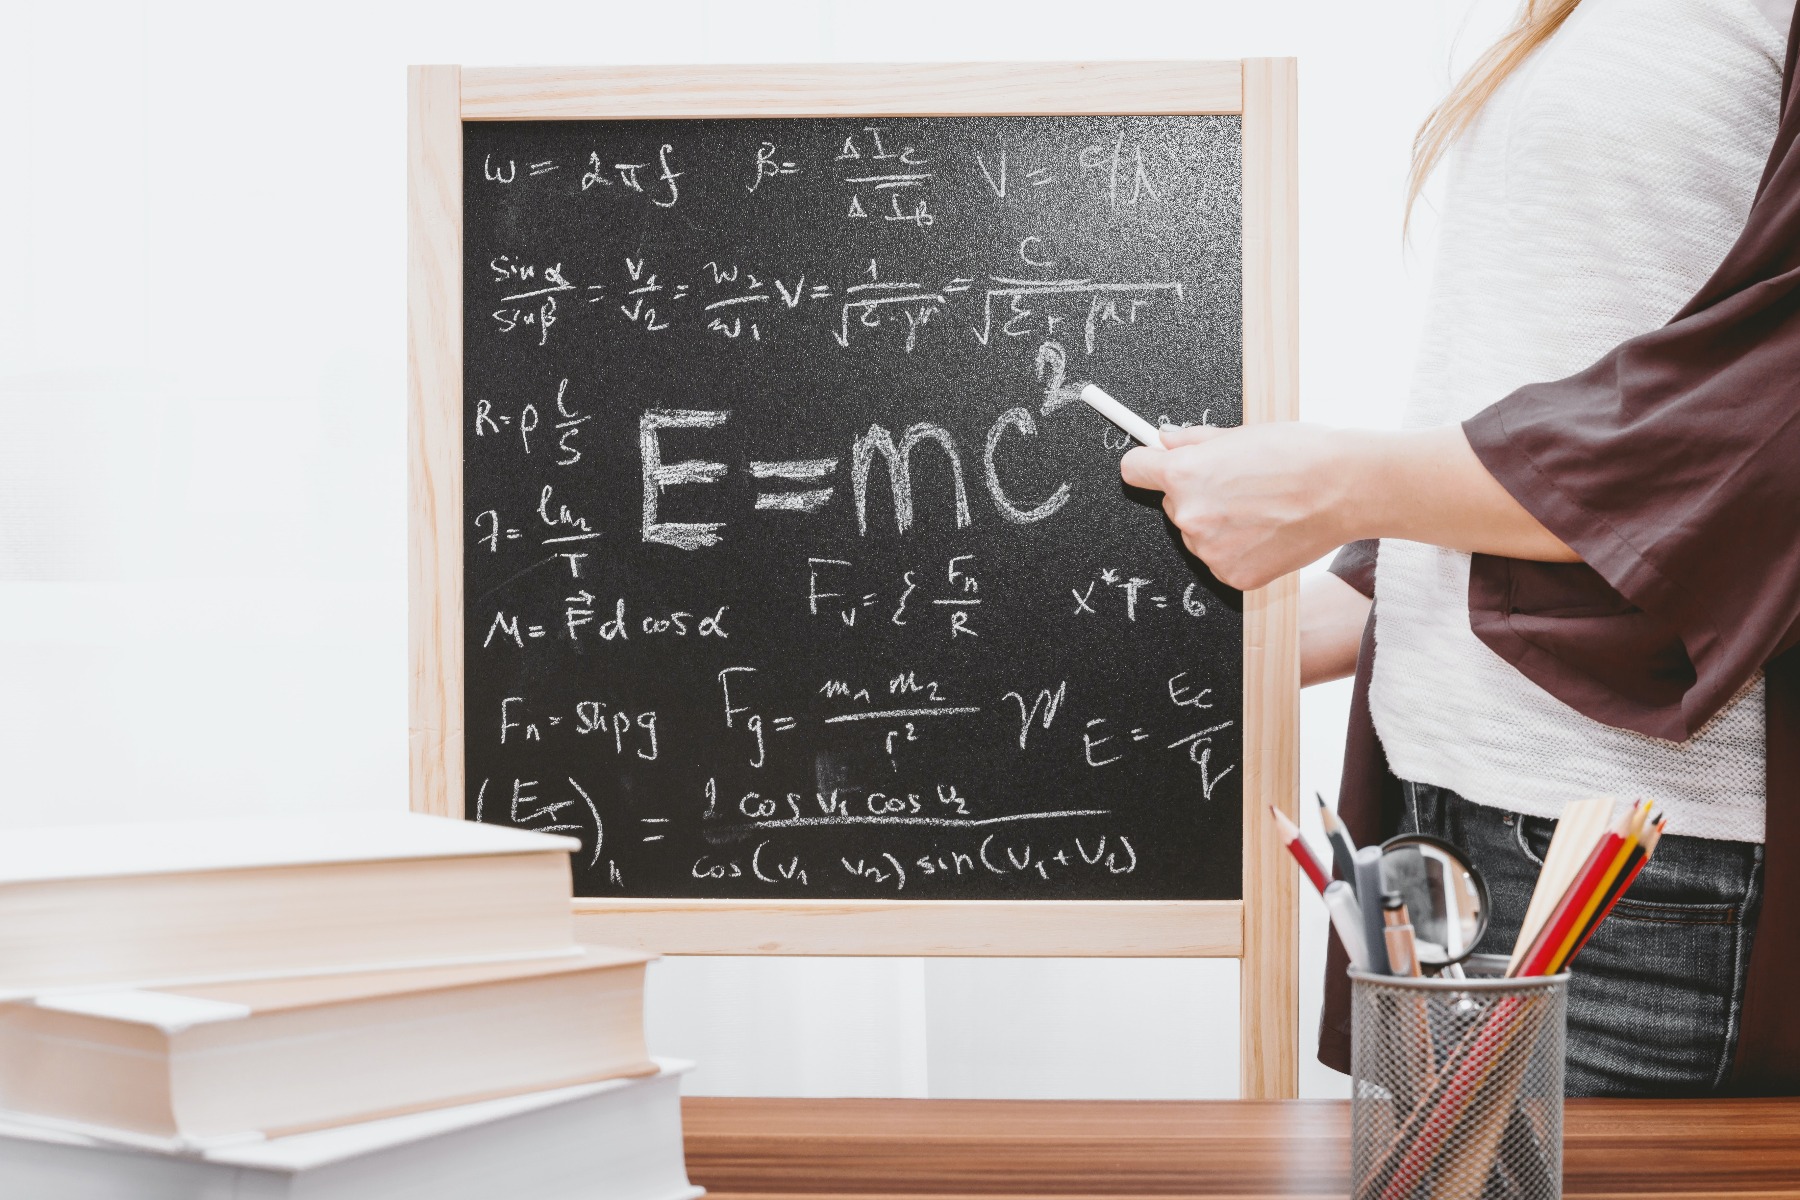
(202, 455)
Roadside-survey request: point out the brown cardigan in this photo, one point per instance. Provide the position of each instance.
(1672, 466)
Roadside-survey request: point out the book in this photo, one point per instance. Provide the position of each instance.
(209, 1064)
(620, 1139)
(183, 902)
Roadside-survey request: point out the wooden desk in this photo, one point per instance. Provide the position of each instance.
(741, 1148)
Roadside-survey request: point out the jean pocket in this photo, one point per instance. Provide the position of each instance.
(1674, 914)
(1653, 1000)
(1533, 835)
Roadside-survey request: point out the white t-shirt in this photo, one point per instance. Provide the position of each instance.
(1597, 191)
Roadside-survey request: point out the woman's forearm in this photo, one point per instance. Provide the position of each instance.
(1332, 616)
(1427, 486)
(1257, 502)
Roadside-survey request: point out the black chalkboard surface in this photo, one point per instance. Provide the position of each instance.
(794, 568)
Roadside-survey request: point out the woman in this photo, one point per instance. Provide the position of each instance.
(1590, 585)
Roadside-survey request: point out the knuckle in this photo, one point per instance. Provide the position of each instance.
(1239, 577)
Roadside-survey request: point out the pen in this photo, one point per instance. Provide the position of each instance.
(1397, 933)
(1121, 416)
(1340, 902)
(1368, 893)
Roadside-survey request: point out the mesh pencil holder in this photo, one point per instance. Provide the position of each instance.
(1457, 1086)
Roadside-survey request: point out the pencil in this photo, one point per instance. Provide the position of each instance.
(1290, 837)
(1599, 869)
(1556, 924)
(1634, 828)
(1633, 865)
(1343, 850)
(1582, 823)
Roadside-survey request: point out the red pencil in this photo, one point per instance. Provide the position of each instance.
(1601, 862)
(1646, 847)
(1290, 837)
(1585, 916)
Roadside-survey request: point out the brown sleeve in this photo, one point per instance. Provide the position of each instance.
(1672, 466)
(1355, 565)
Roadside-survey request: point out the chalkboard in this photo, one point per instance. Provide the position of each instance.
(793, 566)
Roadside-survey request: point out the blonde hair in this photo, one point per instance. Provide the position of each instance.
(1537, 20)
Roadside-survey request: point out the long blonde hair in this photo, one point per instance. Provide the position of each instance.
(1537, 20)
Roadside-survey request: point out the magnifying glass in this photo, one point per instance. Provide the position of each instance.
(1446, 898)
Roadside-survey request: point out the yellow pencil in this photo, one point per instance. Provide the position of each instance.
(1634, 829)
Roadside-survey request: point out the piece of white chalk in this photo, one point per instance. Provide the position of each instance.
(1121, 416)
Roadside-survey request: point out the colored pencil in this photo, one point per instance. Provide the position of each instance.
(1407, 1163)
(1290, 837)
(1582, 822)
(1556, 924)
(1601, 866)
(1486, 1061)
(1590, 904)
(1646, 847)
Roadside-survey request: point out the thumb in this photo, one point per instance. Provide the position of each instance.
(1193, 435)
(1143, 467)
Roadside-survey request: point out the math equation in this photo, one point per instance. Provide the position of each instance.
(793, 565)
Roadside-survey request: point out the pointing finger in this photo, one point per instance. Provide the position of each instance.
(1144, 467)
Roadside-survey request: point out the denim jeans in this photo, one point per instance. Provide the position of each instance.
(1654, 998)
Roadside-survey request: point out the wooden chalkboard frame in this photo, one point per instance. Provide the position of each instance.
(1260, 929)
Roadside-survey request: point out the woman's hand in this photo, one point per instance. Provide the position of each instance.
(1257, 502)
(1251, 503)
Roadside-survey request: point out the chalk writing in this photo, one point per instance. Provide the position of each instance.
(792, 566)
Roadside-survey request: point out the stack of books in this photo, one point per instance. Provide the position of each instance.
(351, 1007)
